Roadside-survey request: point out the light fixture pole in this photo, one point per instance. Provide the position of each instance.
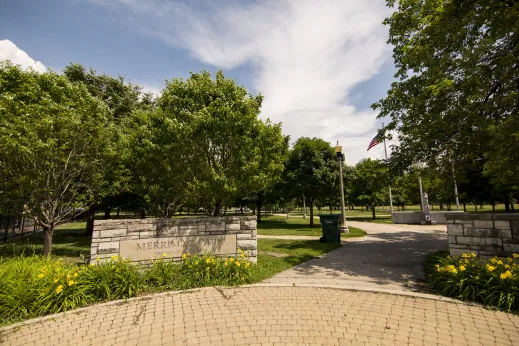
(340, 158)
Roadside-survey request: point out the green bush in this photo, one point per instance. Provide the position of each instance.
(32, 286)
(493, 282)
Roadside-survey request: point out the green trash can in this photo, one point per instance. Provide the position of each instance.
(331, 224)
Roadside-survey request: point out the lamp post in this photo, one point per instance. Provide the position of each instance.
(340, 158)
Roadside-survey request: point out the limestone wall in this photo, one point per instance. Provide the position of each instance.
(141, 240)
(416, 217)
(487, 235)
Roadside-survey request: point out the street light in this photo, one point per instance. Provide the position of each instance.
(340, 158)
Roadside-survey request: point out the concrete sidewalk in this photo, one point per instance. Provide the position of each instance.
(389, 257)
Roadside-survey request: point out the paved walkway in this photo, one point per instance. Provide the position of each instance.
(271, 316)
(389, 257)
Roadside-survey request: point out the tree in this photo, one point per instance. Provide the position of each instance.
(371, 182)
(158, 159)
(231, 152)
(457, 91)
(55, 139)
(311, 171)
(122, 98)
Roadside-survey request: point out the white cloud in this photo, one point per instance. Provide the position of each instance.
(9, 51)
(155, 90)
(306, 56)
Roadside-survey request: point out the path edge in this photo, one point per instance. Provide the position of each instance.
(14, 327)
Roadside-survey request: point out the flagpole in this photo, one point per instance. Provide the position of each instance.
(390, 195)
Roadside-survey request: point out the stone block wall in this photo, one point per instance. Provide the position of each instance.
(486, 235)
(416, 217)
(110, 234)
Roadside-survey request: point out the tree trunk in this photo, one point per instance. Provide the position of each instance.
(143, 213)
(512, 209)
(217, 208)
(91, 212)
(48, 232)
(476, 207)
(493, 206)
(464, 207)
(362, 207)
(373, 211)
(311, 206)
(118, 210)
(507, 203)
(107, 214)
(331, 210)
(258, 204)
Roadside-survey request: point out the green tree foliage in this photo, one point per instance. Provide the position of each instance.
(311, 171)
(371, 183)
(158, 159)
(230, 152)
(456, 98)
(122, 98)
(55, 139)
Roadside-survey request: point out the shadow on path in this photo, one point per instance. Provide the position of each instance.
(390, 257)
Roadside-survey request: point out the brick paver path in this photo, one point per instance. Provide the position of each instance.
(272, 316)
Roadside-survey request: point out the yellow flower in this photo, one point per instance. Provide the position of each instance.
(238, 264)
(507, 266)
(196, 262)
(462, 268)
(184, 256)
(225, 264)
(55, 280)
(75, 275)
(41, 276)
(231, 259)
(247, 264)
(473, 254)
(114, 257)
(208, 260)
(437, 267)
(515, 255)
(500, 262)
(509, 259)
(59, 289)
(164, 255)
(71, 282)
(506, 275)
(493, 260)
(490, 268)
(465, 255)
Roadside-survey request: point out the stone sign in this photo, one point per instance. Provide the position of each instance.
(142, 241)
(171, 247)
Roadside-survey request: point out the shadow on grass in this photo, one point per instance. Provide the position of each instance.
(292, 223)
(312, 245)
(67, 242)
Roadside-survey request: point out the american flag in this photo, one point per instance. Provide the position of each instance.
(374, 142)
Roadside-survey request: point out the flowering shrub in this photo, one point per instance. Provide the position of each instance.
(34, 286)
(494, 282)
(208, 270)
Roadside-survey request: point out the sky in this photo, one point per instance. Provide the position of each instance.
(319, 64)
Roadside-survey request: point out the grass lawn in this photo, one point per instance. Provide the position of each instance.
(298, 251)
(279, 225)
(70, 242)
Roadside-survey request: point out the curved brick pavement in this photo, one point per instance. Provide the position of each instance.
(270, 316)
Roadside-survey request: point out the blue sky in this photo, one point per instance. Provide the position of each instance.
(319, 64)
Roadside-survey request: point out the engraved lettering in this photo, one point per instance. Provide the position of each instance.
(156, 245)
(150, 245)
(162, 244)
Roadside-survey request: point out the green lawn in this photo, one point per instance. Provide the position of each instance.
(298, 251)
(71, 243)
(279, 225)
